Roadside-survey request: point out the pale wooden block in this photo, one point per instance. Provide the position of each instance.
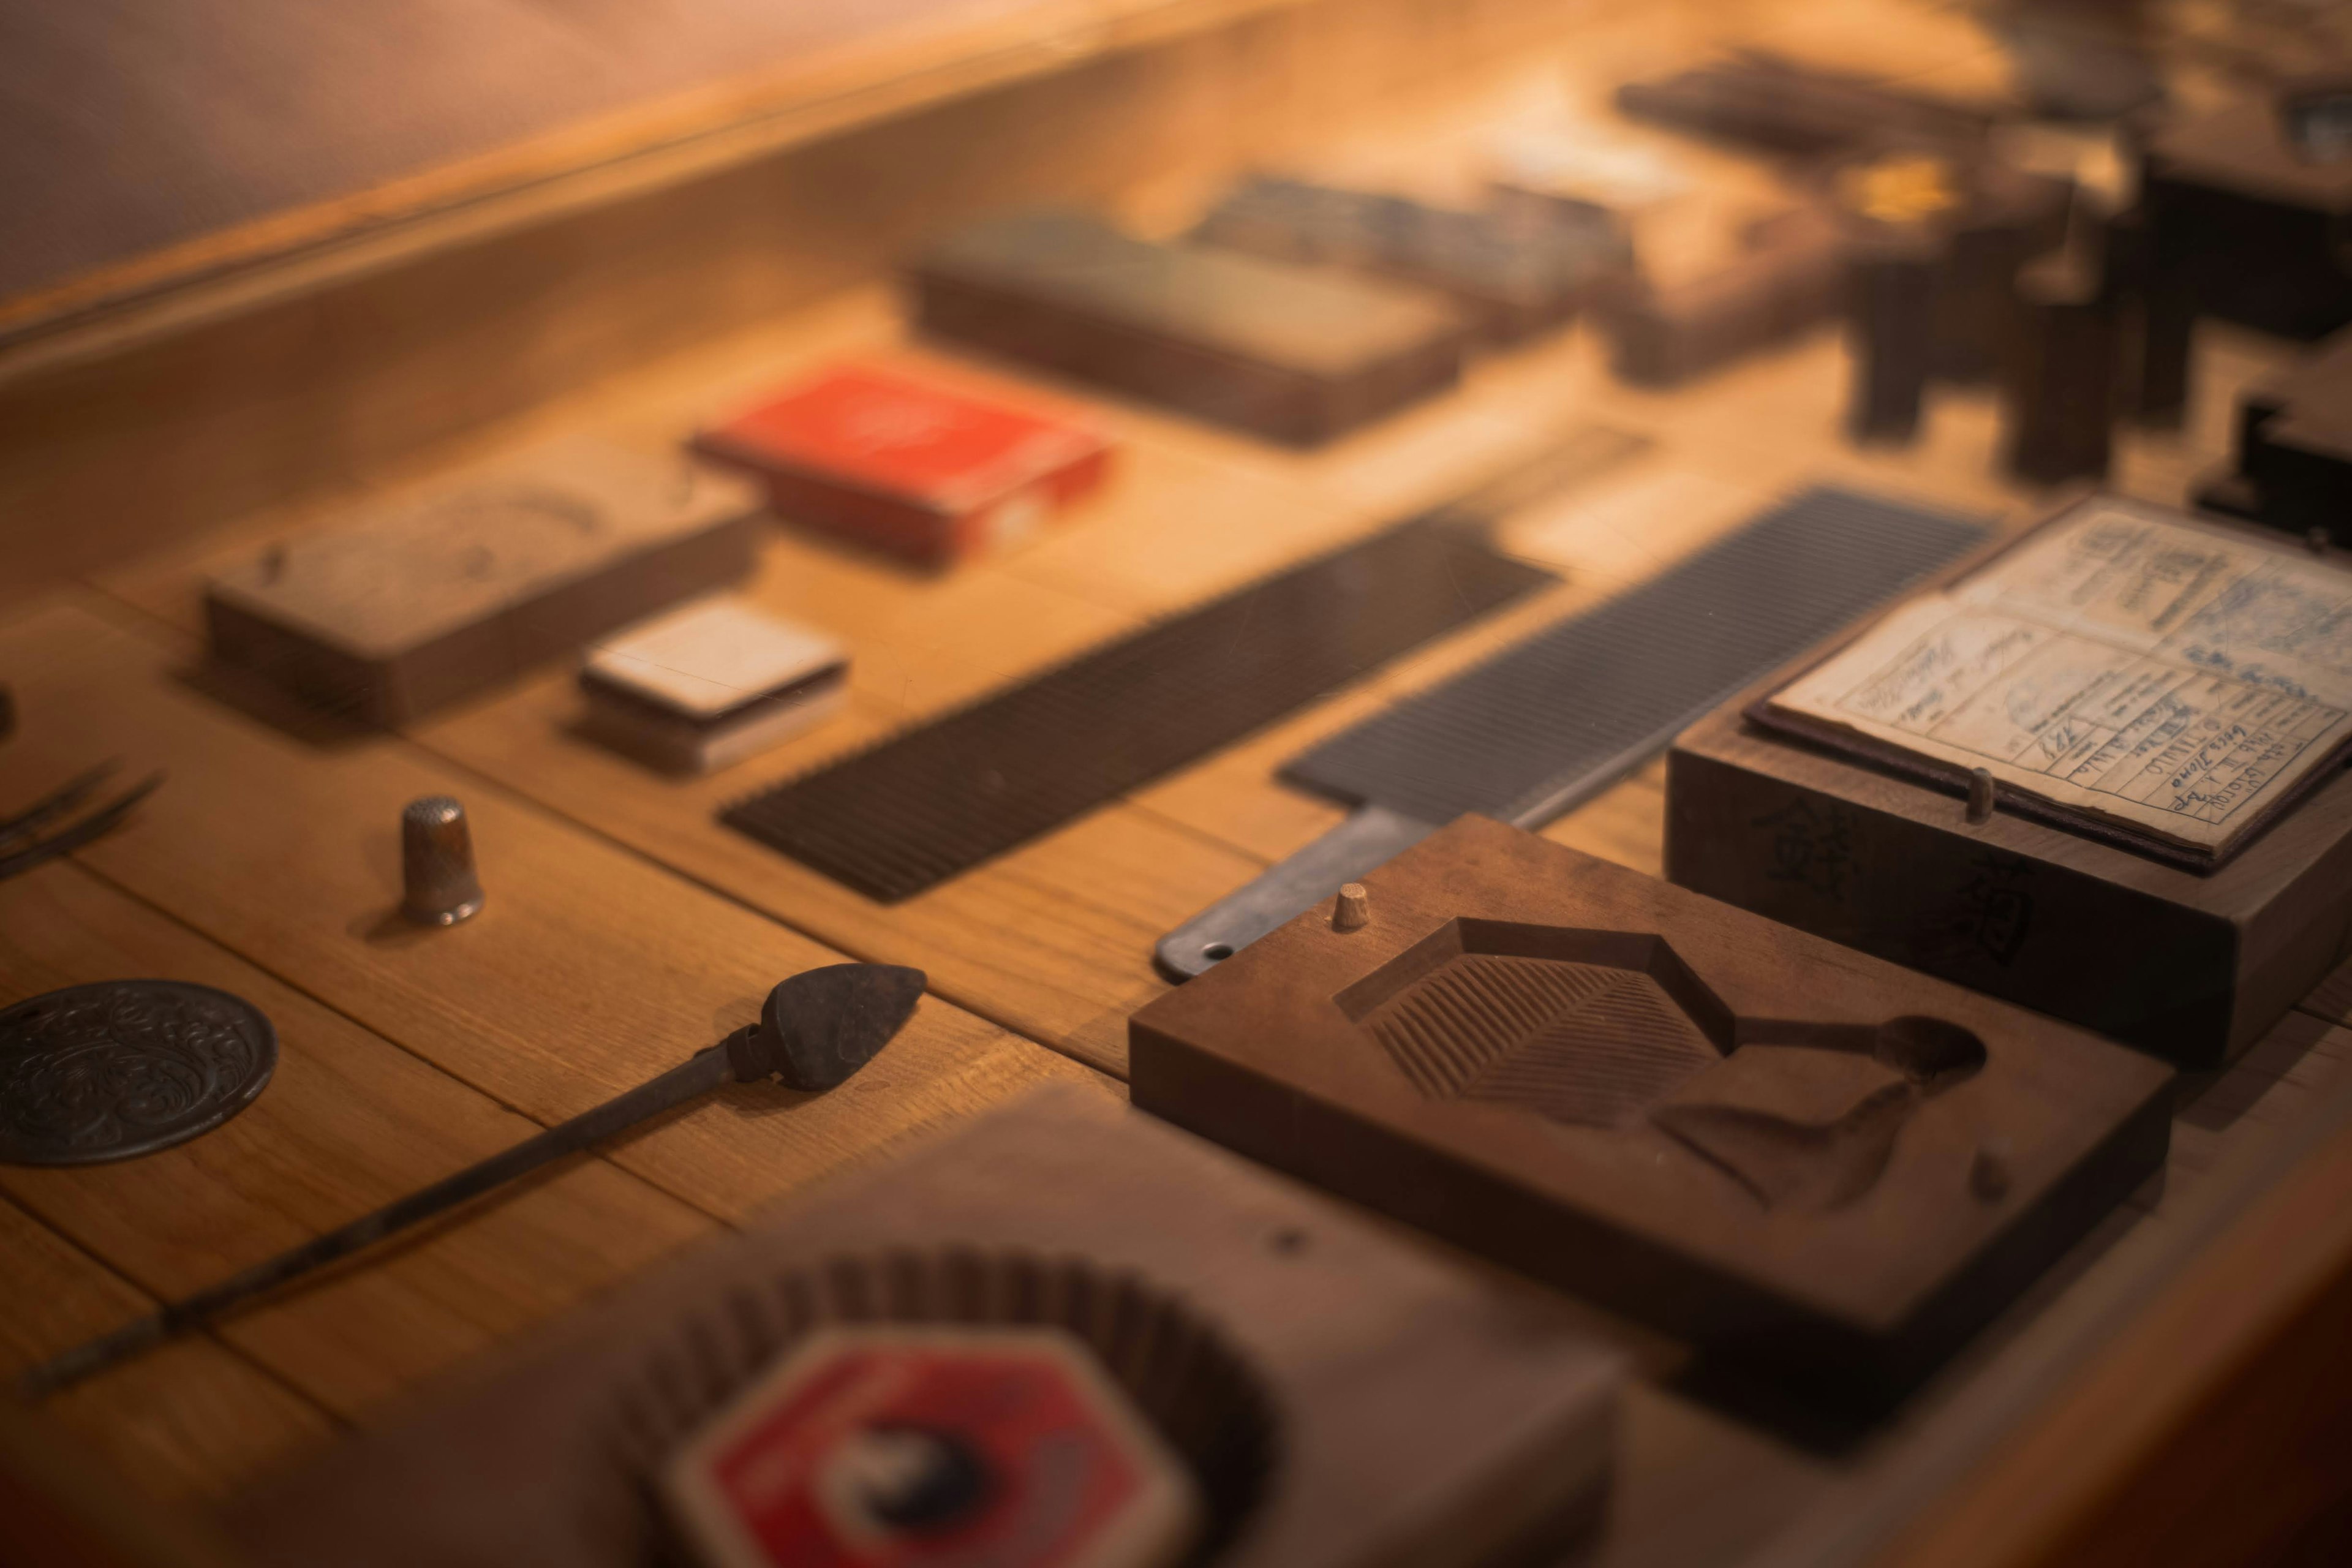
(428, 597)
(707, 686)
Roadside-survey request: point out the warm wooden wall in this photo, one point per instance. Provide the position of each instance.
(366, 344)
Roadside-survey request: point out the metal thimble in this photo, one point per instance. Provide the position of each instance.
(438, 887)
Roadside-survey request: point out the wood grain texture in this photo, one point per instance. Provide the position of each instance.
(1187, 514)
(687, 302)
(283, 363)
(2146, 1456)
(1046, 940)
(348, 1122)
(1053, 940)
(1421, 1413)
(398, 612)
(453, 127)
(590, 971)
(200, 144)
(2332, 998)
(2194, 966)
(1764, 1143)
(194, 1420)
(66, 1505)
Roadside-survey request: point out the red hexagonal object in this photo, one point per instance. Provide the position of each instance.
(899, 1446)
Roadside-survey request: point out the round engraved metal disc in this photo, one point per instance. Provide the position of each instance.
(125, 1066)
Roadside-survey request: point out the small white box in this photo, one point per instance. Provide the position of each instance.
(707, 686)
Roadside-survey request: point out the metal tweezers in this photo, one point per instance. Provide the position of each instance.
(21, 845)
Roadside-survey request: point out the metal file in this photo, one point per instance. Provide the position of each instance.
(938, 799)
(1551, 721)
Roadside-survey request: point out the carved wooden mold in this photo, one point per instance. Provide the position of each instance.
(1744, 1133)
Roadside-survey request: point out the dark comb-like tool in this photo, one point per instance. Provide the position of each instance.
(939, 799)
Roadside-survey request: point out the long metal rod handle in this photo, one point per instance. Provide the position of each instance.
(703, 1071)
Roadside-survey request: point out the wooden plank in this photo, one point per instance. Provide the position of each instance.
(1419, 1407)
(1701, 1484)
(2195, 966)
(420, 125)
(389, 170)
(992, 942)
(1681, 1111)
(1626, 825)
(2332, 1000)
(2182, 1423)
(277, 364)
(193, 1420)
(1048, 940)
(590, 970)
(389, 181)
(1054, 939)
(1189, 513)
(348, 1122)
(1192, 511)
(66, 1505)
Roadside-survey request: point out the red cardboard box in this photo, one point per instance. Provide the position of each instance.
(909, 467)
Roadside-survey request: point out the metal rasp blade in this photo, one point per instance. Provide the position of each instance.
(1551, 721)
(938, 799)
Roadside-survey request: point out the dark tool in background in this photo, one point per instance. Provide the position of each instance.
(21, 845)
(1293, 353)
(2247, 210)
(814, 1030)
(1515, 271)
(937, 800)
(2292, 468)
(1783, 107)
(1552, 720)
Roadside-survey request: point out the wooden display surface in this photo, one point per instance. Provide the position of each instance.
(1379, 1402)
(2171, 1392)
(2194, 966)
(1708, 1122)
(391, 615)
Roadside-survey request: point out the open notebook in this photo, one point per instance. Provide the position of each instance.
(2123, 670)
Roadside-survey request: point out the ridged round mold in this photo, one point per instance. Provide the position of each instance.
(1184, 1378)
